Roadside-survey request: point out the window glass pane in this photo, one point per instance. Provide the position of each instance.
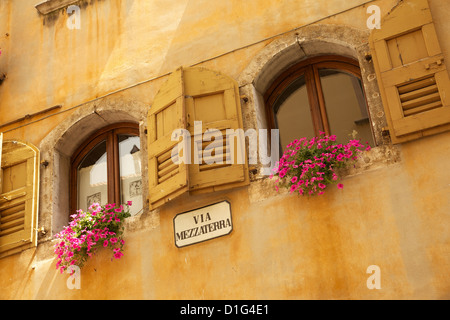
(346, 106)
(92, 178)
(130, 171)
(292, 113)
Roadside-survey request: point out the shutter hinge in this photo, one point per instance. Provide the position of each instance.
(41, 230)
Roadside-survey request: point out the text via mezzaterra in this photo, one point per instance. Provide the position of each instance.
(202, 224)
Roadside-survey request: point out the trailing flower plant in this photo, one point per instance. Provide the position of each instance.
(307, 166)
(100, 226)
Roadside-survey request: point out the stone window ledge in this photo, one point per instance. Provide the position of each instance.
(380, 157)
(53, 5)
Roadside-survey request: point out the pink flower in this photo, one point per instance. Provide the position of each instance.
(113, 240)
(105, 243)
(129, 203)
(294, 179)
(118, 255)
(340, 186)
(293, 187)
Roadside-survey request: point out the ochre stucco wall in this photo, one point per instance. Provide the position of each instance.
(394, 215)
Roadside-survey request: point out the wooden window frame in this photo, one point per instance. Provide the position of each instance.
(109, 134)
(310, 68)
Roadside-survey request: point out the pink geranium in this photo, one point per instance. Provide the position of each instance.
(309, 166)
(81, 238)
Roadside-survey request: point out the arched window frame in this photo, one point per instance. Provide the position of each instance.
(310, 68)
(109, 134)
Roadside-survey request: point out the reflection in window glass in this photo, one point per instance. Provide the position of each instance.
(130, 171)
(346, 106)
(292, 113)
(92, 177)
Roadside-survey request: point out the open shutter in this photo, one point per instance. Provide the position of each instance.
(18, 197)
(167, 178)
(413, 78)
(212, 100)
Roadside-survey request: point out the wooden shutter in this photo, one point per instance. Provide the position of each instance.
(192, 95)
(413, 78)
(166, 178)
(18, 197)
(212, 99)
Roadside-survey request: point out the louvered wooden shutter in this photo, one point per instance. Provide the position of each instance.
(212, 99)
(412, 75)
(18, 197)
(167, 178)
(192, 95)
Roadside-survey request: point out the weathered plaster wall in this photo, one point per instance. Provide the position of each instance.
(314, 248)
(393, 211)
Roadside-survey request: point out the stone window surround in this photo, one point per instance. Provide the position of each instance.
(304, 43)
(59, 145)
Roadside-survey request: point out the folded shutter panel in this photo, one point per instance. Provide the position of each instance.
(19, 197)
(213, 99)
(413, 78)
(166, 178)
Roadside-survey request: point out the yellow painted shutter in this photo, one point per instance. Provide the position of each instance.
(212, 99)
(413, 78)
(18, 197)
(166, 178)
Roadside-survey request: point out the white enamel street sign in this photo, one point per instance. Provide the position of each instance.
(202, 224)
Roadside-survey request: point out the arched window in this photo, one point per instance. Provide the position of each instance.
(106, 168)
(319, 94)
